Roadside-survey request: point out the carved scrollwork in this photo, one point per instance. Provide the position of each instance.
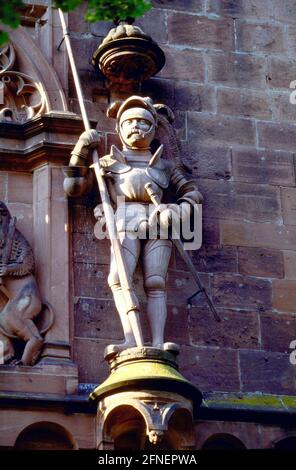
(21, 97)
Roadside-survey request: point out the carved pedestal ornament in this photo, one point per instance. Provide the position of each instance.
(21, 98)
(20, 301)
(146, 397)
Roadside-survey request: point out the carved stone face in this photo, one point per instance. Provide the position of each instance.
(4, 221)
(137, 128)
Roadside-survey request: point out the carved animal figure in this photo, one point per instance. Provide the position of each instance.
(21, 301)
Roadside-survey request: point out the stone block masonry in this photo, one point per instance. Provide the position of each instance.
(227, 75)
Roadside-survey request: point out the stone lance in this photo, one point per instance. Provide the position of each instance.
(132, 309)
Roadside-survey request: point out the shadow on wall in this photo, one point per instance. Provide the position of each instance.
(223, 442)
(45, 436)
(289, 443)
(229, 442)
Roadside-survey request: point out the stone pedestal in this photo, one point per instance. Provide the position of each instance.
(145, 403)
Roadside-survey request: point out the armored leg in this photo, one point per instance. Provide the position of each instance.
(156, 257)
(131, 251)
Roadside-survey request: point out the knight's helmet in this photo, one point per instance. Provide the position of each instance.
(134, 107)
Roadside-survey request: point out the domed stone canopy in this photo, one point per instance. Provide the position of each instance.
(128, 56)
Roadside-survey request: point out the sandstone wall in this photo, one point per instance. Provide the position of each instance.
(229, 66)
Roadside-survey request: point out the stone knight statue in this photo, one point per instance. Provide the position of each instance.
(129, 172)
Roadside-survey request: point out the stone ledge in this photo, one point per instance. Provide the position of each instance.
(247, 407)
(41, 380)
(63, 122)
(45, 139)
(251, 407)
(250, 401)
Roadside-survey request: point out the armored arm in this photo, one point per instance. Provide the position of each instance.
(187, 194)
(78, 179)
(185, 189)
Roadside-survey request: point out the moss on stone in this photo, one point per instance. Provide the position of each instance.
(250, 401)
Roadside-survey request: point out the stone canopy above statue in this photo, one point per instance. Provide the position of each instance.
(128, 56)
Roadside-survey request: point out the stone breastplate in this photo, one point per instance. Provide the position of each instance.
(128, 177)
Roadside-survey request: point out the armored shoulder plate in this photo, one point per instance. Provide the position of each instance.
(115, 162)
(160, 170)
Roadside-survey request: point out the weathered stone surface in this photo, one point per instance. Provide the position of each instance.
(88, 354)
(3, 186)
(101, 28)
(82, 217)
(161, 90)
(95, 318)
(259, 166)
(292, 38)
(225, 199)
(212, 259)
(210, 232)
(20, 188)
(207, 162)
(248, 103)
(245, 8)
(289, 205)
(210, 368)
(194, 97)
(260, 262)
(237, 70)
(285, 11)
(290, 264)
(196, 6)
(277, 136)
(199, 31)
(251, 234)
(280, 71)
(238, 329)
(235, 291)
(154, 24)
(282, 109)
(266, 371)
(180, 286)
(277, 331)
(284, 295)
(84, 51)
(77, 22)
(90, 280)
(94, 88)
(88, 249)
(263, 37)
(177, 328)
(181, 64)
(216, 130)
